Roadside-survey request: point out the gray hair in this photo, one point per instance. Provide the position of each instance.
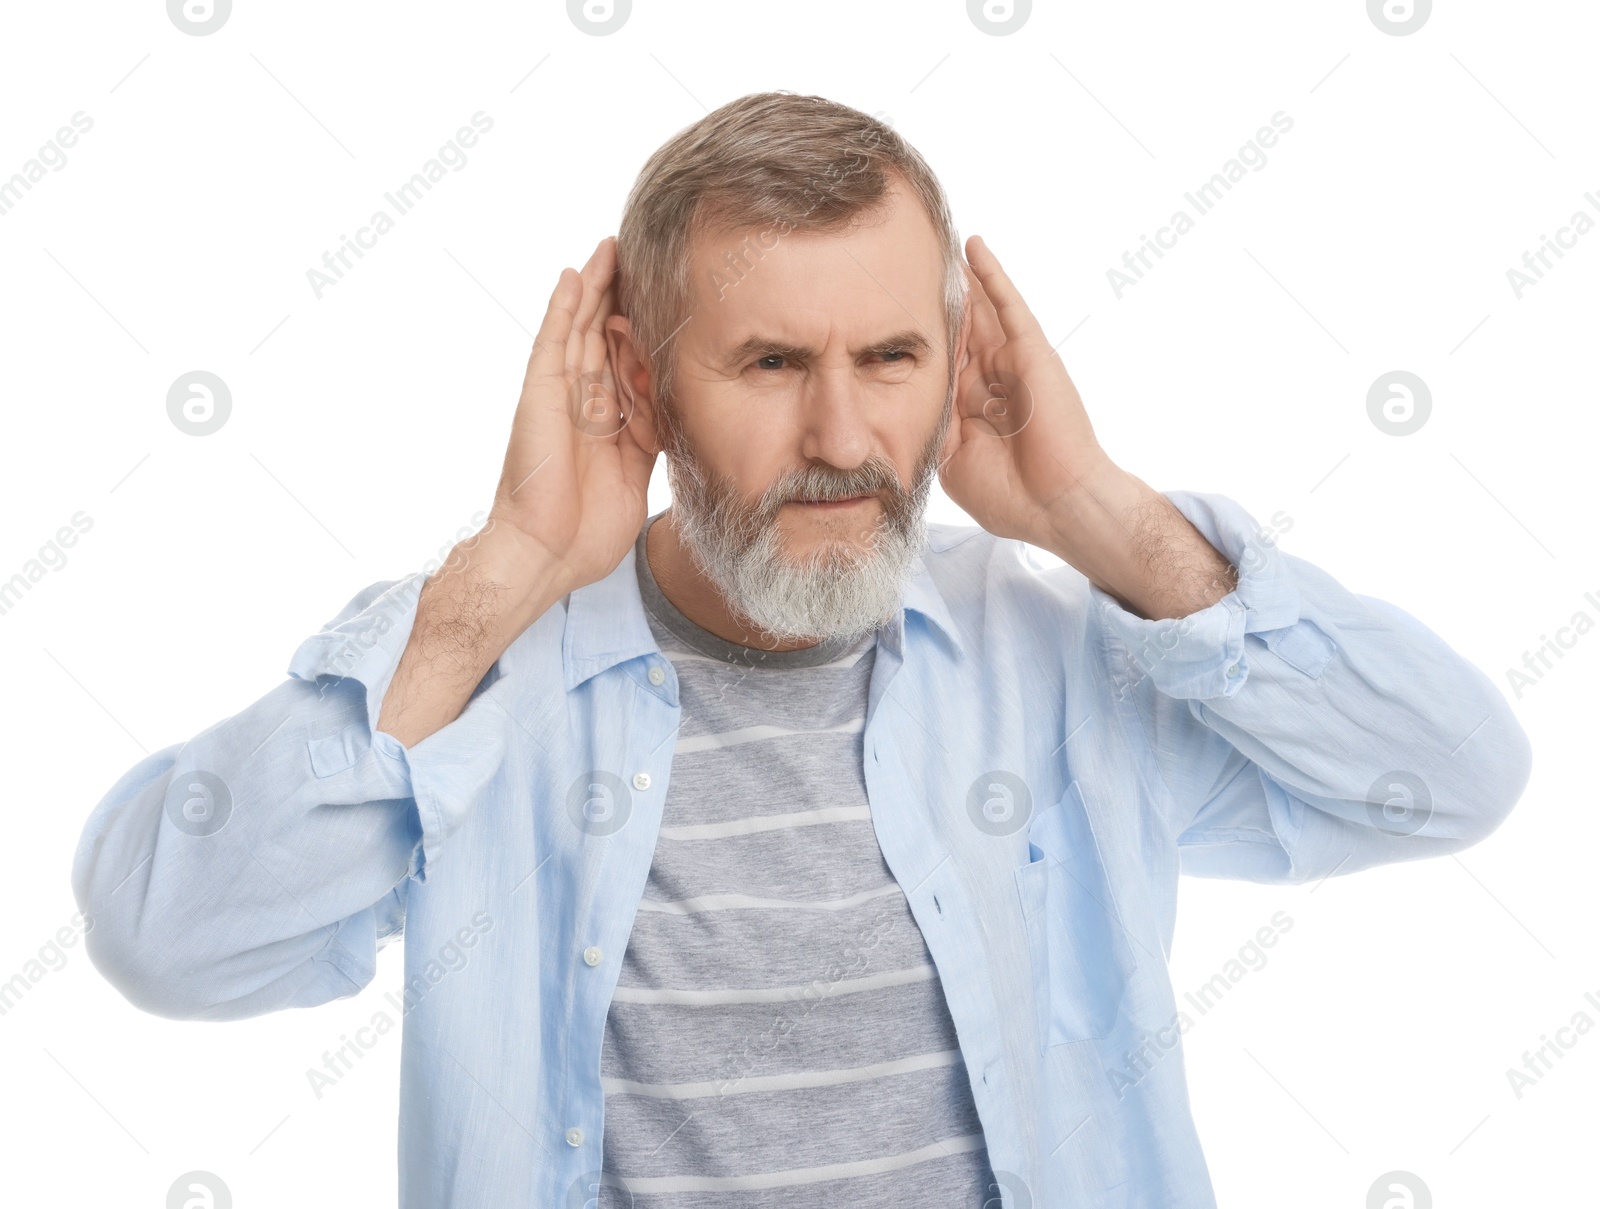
(773, 158)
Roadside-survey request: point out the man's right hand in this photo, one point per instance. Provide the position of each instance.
(570, 501)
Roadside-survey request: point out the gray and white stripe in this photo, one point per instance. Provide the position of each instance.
(778, 1036)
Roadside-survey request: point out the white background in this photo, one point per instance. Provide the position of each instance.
(367, 428)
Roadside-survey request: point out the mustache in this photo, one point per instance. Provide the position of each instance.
(872, 477)
(875, 476)
(711, 502)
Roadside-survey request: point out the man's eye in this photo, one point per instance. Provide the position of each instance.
(893, 354)
(770, 361)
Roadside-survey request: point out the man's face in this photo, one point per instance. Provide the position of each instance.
(828, 351)
(811, 393)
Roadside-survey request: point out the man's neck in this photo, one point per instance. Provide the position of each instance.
(695, 596)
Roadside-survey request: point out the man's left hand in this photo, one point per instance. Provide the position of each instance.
(1022, 459)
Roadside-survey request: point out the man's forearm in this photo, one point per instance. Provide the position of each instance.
(469, 612)
(1130, 541)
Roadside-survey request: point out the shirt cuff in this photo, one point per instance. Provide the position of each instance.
(443, 772)
(365, 641)
(1204, 655)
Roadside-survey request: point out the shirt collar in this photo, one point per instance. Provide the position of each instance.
(606, 622)
(923, 596)
(605, 625)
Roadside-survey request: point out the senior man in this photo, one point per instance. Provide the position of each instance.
(782, 848)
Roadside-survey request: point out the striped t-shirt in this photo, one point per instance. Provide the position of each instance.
(778, 1037)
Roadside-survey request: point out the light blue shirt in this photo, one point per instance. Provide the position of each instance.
(1041, 764)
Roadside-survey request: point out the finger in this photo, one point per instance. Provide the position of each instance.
(594, 358)
(1016, 320)
(581, 346)
(549, 346)
(596, 277)
(597, 273)
(986, 330)
(595, 394)
(594, 361)
(606, 309)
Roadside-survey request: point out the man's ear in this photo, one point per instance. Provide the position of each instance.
(633, 378)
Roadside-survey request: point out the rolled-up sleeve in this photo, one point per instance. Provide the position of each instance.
(1297, 729)
(443, 771)
(263, 863)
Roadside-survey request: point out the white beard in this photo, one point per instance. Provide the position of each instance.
(839, 590)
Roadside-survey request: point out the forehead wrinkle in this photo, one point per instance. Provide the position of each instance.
(907, 340)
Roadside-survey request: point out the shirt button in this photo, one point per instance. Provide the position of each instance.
(657, 675)
(574, 1136)
(592, 955)
(1233, 669)
(641, 780)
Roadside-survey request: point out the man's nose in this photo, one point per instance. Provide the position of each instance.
(834, 427)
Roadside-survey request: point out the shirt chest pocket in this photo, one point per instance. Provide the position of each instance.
(1081, 960)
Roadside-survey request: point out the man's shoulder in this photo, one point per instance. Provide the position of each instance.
(976, 570)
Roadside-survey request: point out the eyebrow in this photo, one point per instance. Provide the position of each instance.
(908, 341)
